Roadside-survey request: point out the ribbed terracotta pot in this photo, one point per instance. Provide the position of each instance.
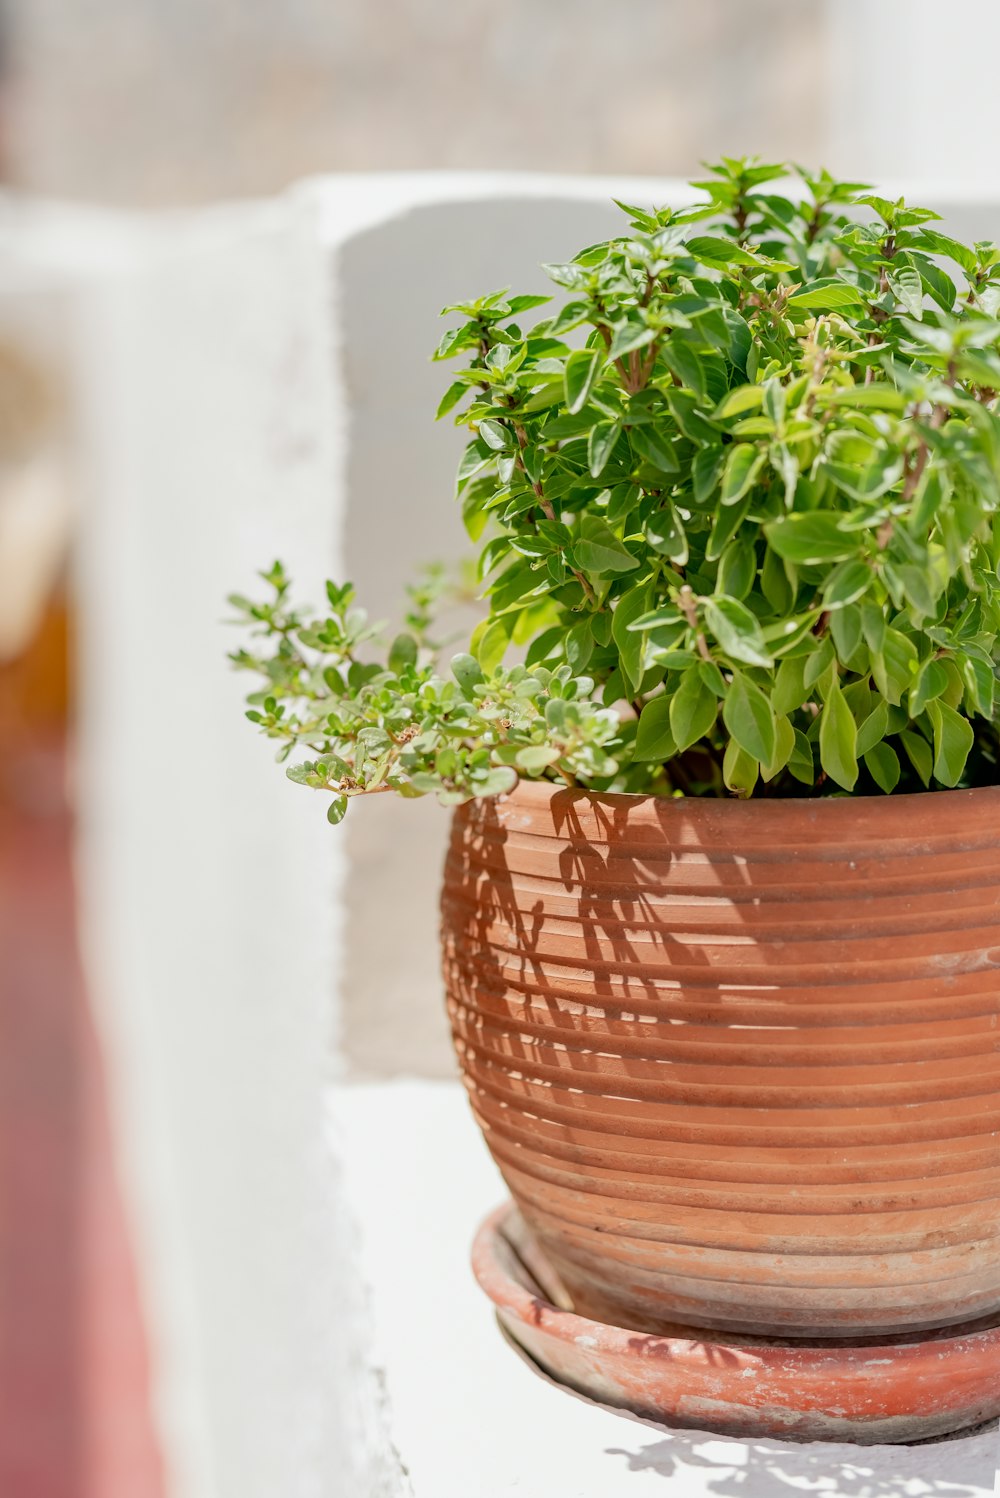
(739, 1062)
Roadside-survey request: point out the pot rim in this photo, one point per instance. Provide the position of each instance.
(548, 790)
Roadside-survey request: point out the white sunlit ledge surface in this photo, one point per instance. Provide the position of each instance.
(469, 1418)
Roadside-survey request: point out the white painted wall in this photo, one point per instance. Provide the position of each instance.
(910, 91)
(208, 425)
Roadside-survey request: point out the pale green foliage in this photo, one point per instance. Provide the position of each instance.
(747, 479)
(398, 724)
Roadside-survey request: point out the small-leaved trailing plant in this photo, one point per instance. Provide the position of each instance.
(737, 504)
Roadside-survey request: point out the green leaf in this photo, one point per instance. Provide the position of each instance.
(622, 500)
(801, 763)
(579, 374)
(873, 627)
(693, 709)
(739, 769)
(489, 643)
(818, 662)
(784, 748)
(748, 715)
(774, 583)
(598, 550)
(451, 398)
(980, 685)
(783, 638)
(895, 666)
(918, 752)
(838, 736)
(873, 729)
(500, 780)
(810, 539)
(738, 633)
(337, 810)
(495, 435)
(743, 464)
(880, 397)
(727, 522)
(883, 766)
(630, 607)
(655, 447)
(304, 774)
(940, 244)
(790, 688)
(744, 398)
(845, 584)
(536, 758)
(654, 740)
(705, 470)
(579, 644)
(917, 587)
(402, 653)
(737, 569)
(825, 296)
(466, 671)
(717, 252)
(682, 361)
(862, 467)
(953, 738)
(907, 287)
(600, 445)
(666, 535)
(845, 627)
(931, 682)
(628, 336)
(525, 303)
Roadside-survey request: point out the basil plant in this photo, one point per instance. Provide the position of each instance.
(736, 501)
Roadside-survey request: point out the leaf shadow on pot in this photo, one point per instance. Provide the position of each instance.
(547, 980)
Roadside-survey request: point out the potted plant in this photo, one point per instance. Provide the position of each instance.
(720, 914)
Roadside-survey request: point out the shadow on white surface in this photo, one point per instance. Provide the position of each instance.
(767, 1470)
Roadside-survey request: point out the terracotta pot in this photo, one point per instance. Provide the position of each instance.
(739, 1062)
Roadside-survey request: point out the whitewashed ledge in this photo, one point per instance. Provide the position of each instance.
(471, 1419)
(230, 397)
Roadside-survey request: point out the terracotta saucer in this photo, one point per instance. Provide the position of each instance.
(896, 1390)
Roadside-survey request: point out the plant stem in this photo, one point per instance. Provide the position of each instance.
(689, 608)
(545, 505)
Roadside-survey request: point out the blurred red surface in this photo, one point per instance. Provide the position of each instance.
(74, 1379)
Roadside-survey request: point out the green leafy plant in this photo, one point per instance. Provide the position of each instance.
(736, 503)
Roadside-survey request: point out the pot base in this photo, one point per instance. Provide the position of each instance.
(898, 1391)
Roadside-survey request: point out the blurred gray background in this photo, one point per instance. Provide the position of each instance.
(167, 101)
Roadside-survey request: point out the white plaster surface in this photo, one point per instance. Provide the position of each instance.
(912, 92)
(471, 1419)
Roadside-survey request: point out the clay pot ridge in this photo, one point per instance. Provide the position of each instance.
(739, 1062)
